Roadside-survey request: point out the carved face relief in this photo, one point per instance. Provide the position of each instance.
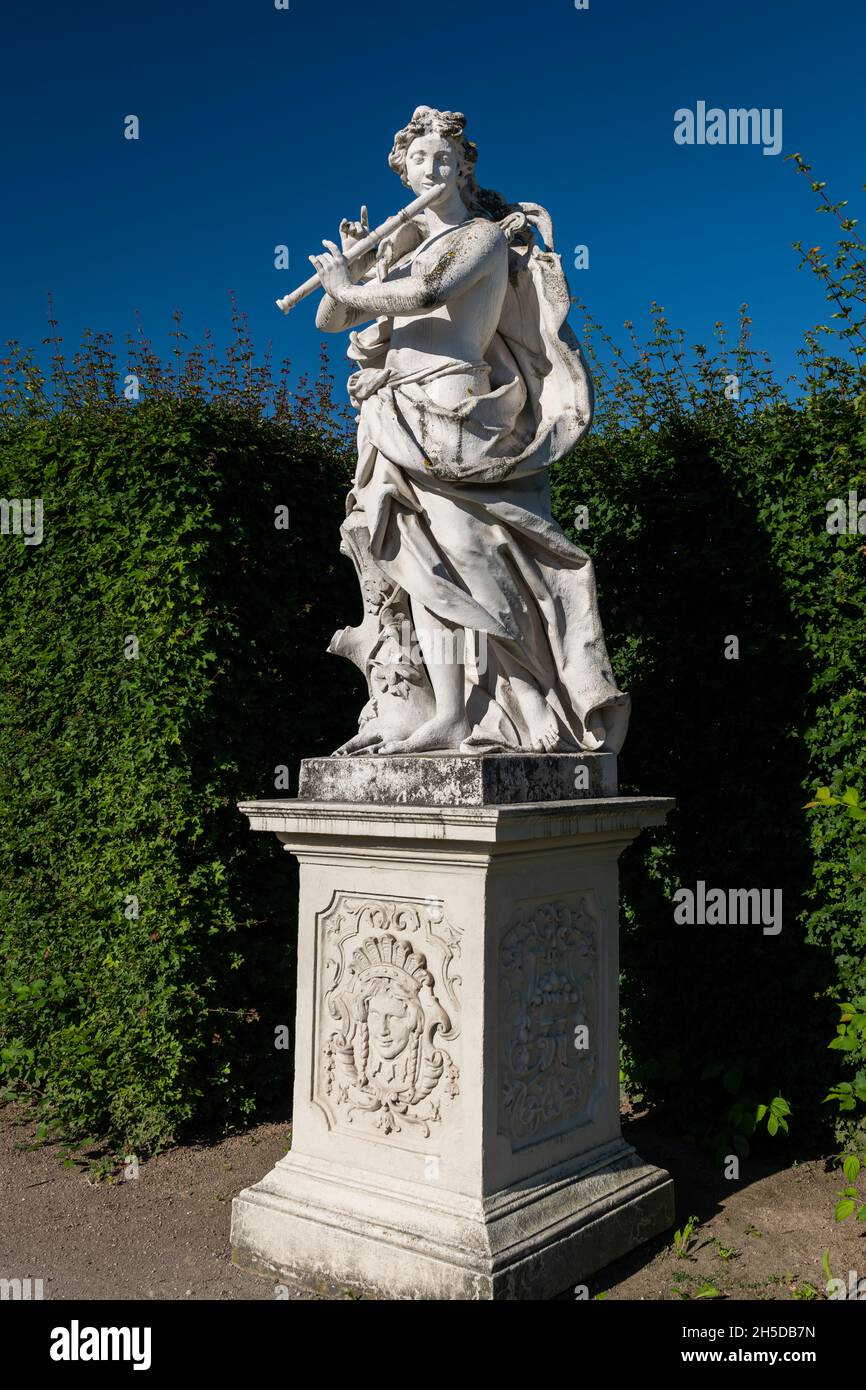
(389, 1024)
(389, 1015)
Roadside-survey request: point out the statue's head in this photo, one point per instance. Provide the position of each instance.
(431, 149)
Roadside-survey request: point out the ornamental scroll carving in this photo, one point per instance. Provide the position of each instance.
(389, 1017)
(549, 989)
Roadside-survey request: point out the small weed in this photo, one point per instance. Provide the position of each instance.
(683, 1239)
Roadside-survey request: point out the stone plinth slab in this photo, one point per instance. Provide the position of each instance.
(459, 779)
(311, 1221)
(456, 1128)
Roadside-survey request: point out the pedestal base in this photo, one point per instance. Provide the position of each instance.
(310, 1220)
(456, 1128)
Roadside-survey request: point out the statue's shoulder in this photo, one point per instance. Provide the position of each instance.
(485, 231)
(486, 226)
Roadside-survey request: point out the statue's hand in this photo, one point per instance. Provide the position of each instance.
(333, 271)
(353, 232)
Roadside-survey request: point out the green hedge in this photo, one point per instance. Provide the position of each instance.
(119, 777)
(709, 520)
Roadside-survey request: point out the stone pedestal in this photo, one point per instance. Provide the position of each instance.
(456, 1126)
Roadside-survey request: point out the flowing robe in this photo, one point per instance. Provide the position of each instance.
(457, 505)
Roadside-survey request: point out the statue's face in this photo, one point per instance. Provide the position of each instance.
(432, 159)
(388, 1022)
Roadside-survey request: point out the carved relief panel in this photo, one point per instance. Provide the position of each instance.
(388, 1017)
(550, 1029)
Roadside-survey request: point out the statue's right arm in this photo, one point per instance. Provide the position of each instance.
(332, 317)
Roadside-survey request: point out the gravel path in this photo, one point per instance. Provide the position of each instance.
(164, 1234)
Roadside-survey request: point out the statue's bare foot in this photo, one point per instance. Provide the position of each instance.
(542, 722)
(439, 734)
(548, 737)
(361, 743)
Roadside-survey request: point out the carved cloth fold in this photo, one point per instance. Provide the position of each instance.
(457, 504)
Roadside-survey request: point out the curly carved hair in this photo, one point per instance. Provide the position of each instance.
(427, 120)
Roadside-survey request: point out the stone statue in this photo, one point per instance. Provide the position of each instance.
(481, 630)
(456, 1122)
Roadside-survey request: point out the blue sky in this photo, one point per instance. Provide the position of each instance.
(261, 126)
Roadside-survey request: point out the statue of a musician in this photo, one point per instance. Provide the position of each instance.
(482, 631)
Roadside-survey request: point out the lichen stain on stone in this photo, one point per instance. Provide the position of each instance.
(458, 452)
(435, 275)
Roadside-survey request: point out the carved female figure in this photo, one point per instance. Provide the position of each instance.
(470, 384)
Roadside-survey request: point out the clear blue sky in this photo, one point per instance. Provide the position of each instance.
(262, 126)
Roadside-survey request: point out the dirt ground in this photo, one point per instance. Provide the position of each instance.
(164, 1234)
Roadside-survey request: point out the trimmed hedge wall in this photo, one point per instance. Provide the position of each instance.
(712, 523)
(119, 775)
